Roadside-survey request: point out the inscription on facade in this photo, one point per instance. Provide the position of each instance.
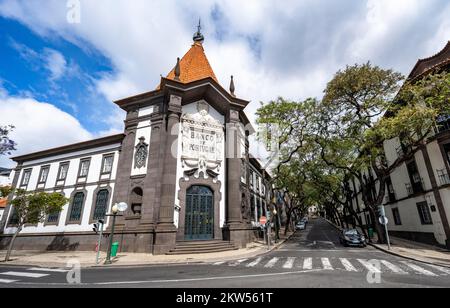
(202, 141)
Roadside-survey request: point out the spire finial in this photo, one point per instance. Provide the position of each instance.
(177, 70)
(198, 36)
(232, 88)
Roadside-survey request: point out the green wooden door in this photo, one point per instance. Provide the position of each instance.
(199, 224)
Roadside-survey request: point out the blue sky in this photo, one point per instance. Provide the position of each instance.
(53, 70)
(58, 79)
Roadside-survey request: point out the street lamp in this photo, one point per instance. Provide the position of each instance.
(118, 207)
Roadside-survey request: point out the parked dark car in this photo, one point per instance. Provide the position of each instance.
(352, 237)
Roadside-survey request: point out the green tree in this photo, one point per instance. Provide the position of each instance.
(362, 109)
(5, 191)
(33, 208)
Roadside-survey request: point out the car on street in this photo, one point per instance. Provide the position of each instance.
(305, 219)
(352, 237)
(300, 226)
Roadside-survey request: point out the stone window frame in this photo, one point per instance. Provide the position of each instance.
(22, 181)
(104, 157)
(79, 176)
(55, 223)
(41, 171)
(215, 188)
(94, 202)
(58, 176)
(396, 216)
(69, 210)
(423, 221)
(10, 224)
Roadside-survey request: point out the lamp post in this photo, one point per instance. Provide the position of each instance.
(118, 207)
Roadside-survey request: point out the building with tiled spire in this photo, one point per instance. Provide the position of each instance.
(181, 165)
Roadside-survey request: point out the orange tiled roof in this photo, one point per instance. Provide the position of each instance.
(194, 66)
(3, 202)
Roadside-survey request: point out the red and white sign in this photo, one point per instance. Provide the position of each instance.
(263, 220)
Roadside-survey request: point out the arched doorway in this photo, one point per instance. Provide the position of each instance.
(199, 218)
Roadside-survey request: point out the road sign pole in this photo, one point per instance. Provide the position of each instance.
(97, 259)
(384, 221)
(111, 236)
(387, 237)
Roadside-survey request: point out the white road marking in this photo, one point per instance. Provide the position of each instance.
(307, 264)
(419, 269)
(370, 267)
(272, 262)
(24, 274)
(289, 263)
(326, 264)
(7, 281)
(393, 268)
(348, 266)
(445, 270)
(254, 263)
(50, 270)
(219, 263)
(236, 263)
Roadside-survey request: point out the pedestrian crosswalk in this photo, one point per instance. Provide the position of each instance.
(340, 264)
(33, 273)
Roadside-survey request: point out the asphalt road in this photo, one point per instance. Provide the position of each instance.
(312, 258)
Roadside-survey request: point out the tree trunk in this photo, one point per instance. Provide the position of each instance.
(288, 221)
(11, 244)
(379, 228)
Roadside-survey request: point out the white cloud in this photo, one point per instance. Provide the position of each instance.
(273, 48)
(55, 63)
(38, 125)
(51, 60)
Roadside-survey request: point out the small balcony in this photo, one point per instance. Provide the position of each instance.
(444, 178)
(415, 188)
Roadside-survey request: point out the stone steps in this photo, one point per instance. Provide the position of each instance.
(197, 247)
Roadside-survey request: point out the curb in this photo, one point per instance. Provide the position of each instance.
(394, 253)
(196, 262)
(407, 257)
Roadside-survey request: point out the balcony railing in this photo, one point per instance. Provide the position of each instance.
(443, 176)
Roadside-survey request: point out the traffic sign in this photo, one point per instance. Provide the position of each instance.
(263, 220)
(383, 220)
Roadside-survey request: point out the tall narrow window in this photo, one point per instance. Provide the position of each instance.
(77, 207)
(396, 215)
(84, 168)
(414, 175)
(44, 174)
(424, 213)
(14, 220)
(101, 204)
(447, 151)
(107, 164)
(26, 177)
(62, 173)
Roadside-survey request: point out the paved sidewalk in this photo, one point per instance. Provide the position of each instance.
(412, 250)
(87, 258)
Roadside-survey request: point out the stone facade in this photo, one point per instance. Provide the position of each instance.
(184, 134)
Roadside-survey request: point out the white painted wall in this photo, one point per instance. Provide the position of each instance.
(408, 207)
(96, 155)
(192, 109)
